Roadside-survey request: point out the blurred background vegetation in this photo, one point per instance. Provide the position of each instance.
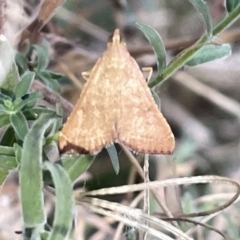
(201, 103)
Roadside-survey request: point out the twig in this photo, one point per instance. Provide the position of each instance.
(52, 97)
(141, 173)
(222, 101)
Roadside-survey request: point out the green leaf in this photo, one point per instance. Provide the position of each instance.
(45, 77)
(34, 113)
(45, 235)
(59, 113)
(231, 5)
(9, 104)
(75, 165)
(42, 56)
(29, 101)
(4, 119)
(4, 109)
(184, 56)
(208, 53)
(18, 152)
(4, 97)
(112, 152)
(8, 162)
(3, 176)
(9, 151)
(156, 98)
(21, 62)
(202, 8)
(24, 84)
(19, 124)
(64, 202)
(9, 137)
(53, 75)
(157, 45)
(9, 73)
(31, 184)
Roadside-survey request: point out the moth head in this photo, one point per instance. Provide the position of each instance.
(115, 38)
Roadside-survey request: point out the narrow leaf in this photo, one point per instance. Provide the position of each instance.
(21, 62)
(24, 84)
(202, 8)
(231, 5)
(9, 151)
(64, 202)
(157, 45)
(18, 152)
(45, 235)
(8, 104)
(29, 101)
(8, 137)
(20, 125)
(53, 75)
(112, 152)
(4, 120)
(31, 194)
(59, 112)
(208, 53)
(48, 81)
(34, 113)
(4, 97)
(8, 162)
(76, 165)
(42, 59)
(156, 98)
(3, 176)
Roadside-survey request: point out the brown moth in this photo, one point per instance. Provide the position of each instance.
(116, 105)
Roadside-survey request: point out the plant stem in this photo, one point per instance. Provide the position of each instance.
(181, 59)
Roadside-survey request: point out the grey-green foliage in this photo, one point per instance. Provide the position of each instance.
(208, 53)
(231, 4)
(48, 77)
(64, 197)
(112, 152)
(31, 182)
(29, 130)
(203, 10)
(198, 53)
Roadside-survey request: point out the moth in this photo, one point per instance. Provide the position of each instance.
(116, 105)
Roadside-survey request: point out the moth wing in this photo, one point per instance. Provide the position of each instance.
(89, 128)
(141, 126)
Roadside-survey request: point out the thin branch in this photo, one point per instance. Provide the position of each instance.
(52, 97)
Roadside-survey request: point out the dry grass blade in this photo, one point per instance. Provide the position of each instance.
(133, 217)
(148, 223)
(177, 181)
(136, 164)
(223, 102)
(47, 10)
(198, 223)
(210, 198)
(52, 97)
(83, 24)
